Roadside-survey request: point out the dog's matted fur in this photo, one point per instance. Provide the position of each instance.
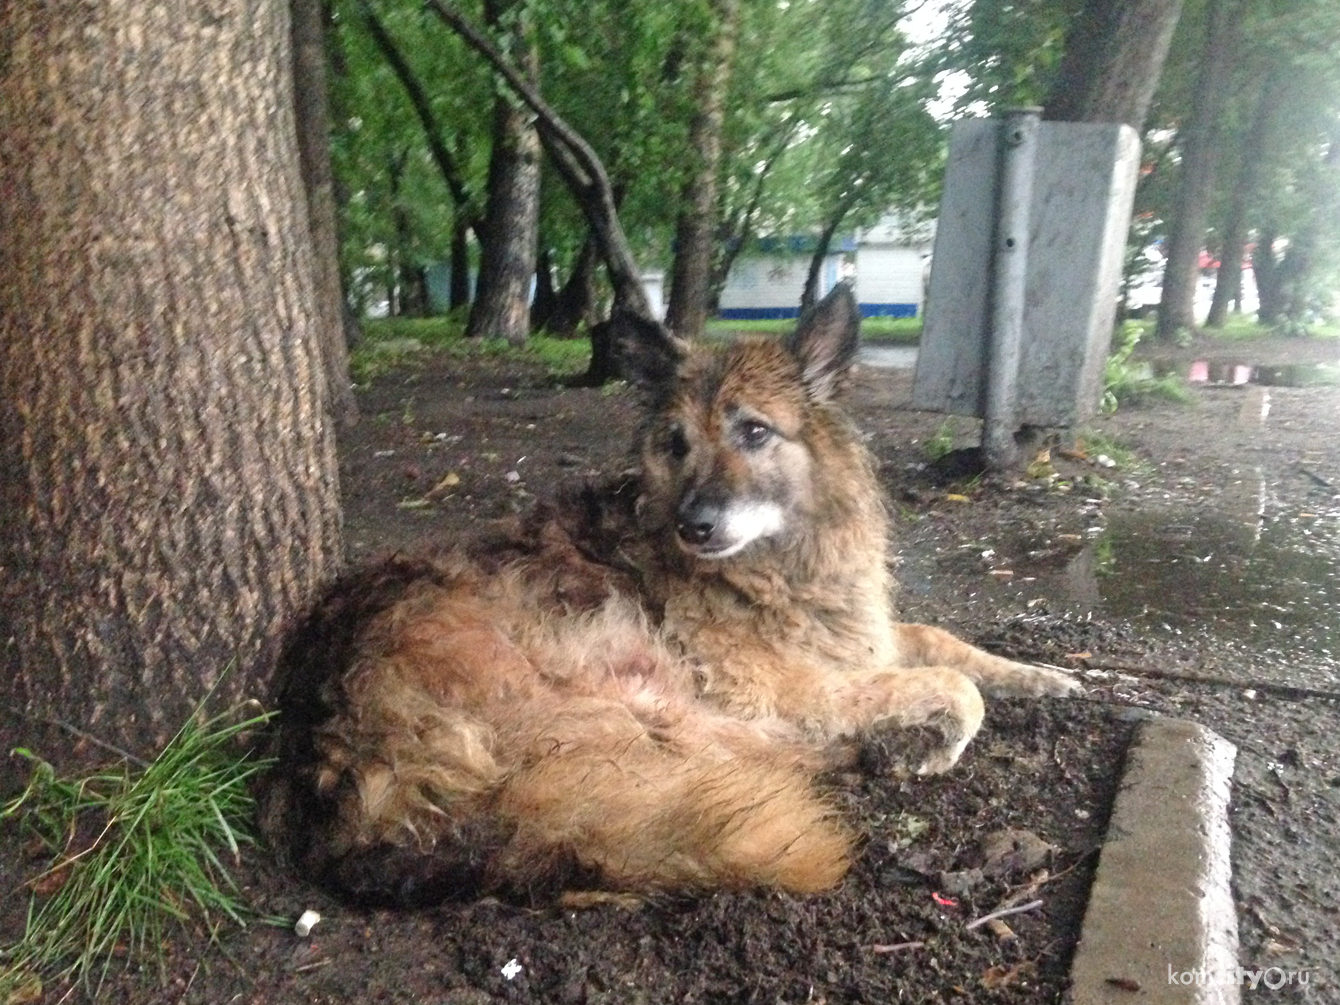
(636, 688)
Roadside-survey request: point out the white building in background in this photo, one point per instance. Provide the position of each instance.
(889, 263)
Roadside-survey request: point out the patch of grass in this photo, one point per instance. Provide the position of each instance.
(941, 443)
(395, 343)
(135, 850)
(1126, 382)
(891, 331)
(1095, 442)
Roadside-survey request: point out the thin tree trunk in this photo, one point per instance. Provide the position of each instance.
(460, 263)
(1228, 284)
(1114, 56)
(546, 297)
(576, 300)
(169, 498)
(810, 295)
(691, 273)
(511, 222)
(1195, 183)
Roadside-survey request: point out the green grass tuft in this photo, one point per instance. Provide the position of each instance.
(1126, 382)
(392, 343)
(136, 851)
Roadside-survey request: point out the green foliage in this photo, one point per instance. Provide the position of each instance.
(135, 851)
(941, 443)
(1127, 382)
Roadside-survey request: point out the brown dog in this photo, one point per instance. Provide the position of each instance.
(635, 690)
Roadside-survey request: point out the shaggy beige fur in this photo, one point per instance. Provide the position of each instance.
(637, 689)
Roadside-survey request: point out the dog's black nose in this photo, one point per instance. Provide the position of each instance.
(696, 521)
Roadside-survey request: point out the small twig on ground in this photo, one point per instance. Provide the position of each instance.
(111, 748)
(1265, 687)
(1324, 483)
(896, 947)
(1003, 912)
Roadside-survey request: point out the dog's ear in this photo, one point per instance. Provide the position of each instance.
(825, 342)
(648, 354)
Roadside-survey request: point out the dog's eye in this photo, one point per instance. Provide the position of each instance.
(754, 434)
(678, 444)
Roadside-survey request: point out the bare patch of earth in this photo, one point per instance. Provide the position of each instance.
(1194, 578)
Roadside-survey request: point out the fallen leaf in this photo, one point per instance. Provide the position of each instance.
(449, 481)
(1079, 656)
(1002, 976)
(25, 989)
(49, 882)
(955, 497)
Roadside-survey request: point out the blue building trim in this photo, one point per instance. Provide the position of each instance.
(758, 313)
(888, 310)
(790, 313)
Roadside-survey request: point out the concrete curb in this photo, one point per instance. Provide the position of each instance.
(1161, 928)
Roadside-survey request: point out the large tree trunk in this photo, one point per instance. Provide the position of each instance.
(1114, 56)
(691, 273)
(1269, 282)
(1228, 283)
(510, 230)
(312, 107)
(168, 486)
(1195, 183)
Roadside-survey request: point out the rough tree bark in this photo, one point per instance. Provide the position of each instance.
(312, 110)
(509, 233)
(575, 302)
(168, 486)
(1195, 181)
(1228, 283)
(1114, 55)
(691, 272)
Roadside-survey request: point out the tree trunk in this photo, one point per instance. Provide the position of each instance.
(511, 222)
(169, 499)
(312, 107)
(810, 295)
(576, 300)
(691, 273)
(1114, 56)
(546, 297)
(1265, 267)
(1228, 284)
(1195, 184)
(460, 263)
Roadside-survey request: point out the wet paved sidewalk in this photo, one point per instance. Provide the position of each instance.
(1224, 561)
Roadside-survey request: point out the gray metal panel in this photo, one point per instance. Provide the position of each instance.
(952, 356)
(1083, 191)
(1082, 196)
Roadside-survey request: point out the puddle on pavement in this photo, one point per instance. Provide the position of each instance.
(1229, 373)
(1273, 583)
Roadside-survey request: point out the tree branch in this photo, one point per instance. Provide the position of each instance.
(577, 162)
(446, 164)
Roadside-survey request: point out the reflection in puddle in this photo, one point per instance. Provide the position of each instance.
(1231, 373)
(1273, 583)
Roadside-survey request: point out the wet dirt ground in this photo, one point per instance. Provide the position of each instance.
(1197, 577)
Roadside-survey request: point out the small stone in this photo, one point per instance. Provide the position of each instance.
(956, 884)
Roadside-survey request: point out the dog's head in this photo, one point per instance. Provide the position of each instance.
(728, 447)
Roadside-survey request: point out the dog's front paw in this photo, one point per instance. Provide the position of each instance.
(1007, 679)
(914, 750)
